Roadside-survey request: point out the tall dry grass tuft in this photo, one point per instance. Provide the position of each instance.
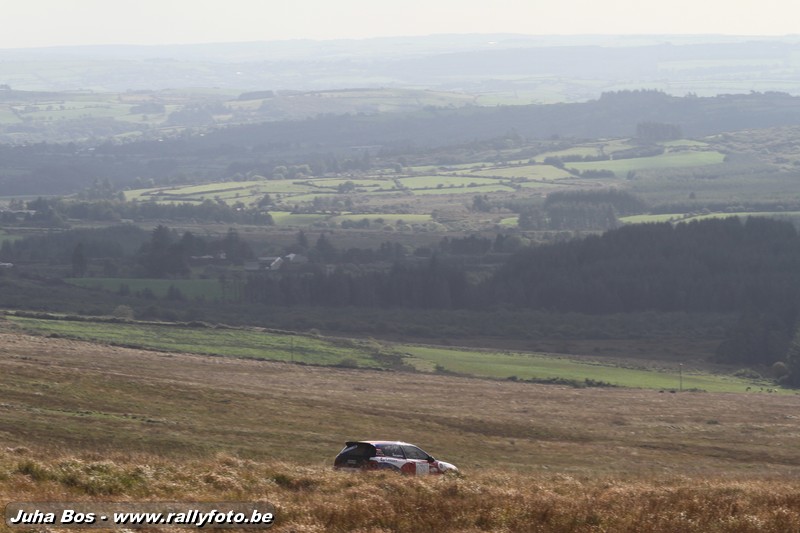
(316, 498)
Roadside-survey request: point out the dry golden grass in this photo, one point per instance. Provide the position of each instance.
(81, 421)
(313, 498)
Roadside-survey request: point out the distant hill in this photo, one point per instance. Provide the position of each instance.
(60, 169)
(542, 68)
(613, 114)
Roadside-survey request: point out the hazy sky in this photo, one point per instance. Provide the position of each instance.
(29, 23)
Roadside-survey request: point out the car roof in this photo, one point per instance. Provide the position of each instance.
(374, 442)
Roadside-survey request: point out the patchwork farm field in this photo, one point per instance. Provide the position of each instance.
(589, 149)
(90, 422)
(374, 191)
(464, 189)
(288, 193)
(667, 160)
(432, 182)
(535, 172)
(210, 191)
(387, 197)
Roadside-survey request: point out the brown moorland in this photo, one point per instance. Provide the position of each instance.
(90, 422)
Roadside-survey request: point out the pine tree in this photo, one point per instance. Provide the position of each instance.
(79, 263)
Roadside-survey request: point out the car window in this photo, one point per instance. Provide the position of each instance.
(390, 450)
(357, 450)
(412, 452)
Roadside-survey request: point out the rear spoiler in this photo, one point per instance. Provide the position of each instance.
(357, 443)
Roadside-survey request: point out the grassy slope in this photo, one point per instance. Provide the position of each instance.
(284, 347)
(541, 367)
(311, 499)
(95, 397)
(225, 342)
(80, 421)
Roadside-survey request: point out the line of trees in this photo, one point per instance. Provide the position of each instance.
(166, 254)
(748, 267)
(700, 266)
(113, 242)
(161, 253)
(709, 265)
(581, 210)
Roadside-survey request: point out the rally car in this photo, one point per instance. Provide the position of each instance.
(390, 455)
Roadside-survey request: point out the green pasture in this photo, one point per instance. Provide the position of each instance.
(307, 190)
(223, 342)
(302, 198)
(231, 195)
(70, 106)
(432, 169)
(286, 218)
(198, 193)
(76, 110)
(4, 236)
(153, 194)
(7, 116)
(581, 151)
(285, 187)
(611, 146)
(643, 219)
(254, 343)
(541, 184)
(137, 194)
(433, 182)
(464, 190)
(536, 172)
(684, 217)
(679, 143)
(210, 188)
(165, 200)
(543, 367)
(190, 288)
(667, 160)
(586, 150)
(391, 218)
(593, 149)
(770, 214)
(333, 183)
(248, 191)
